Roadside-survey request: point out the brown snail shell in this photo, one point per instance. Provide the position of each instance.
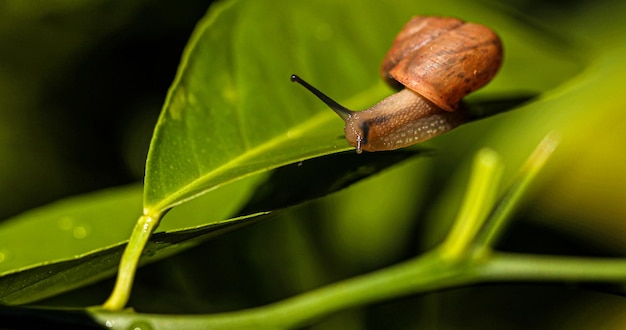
(442, 59)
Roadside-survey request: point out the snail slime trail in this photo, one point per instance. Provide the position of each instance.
(435, 62)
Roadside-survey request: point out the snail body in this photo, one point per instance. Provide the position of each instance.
(435, 62)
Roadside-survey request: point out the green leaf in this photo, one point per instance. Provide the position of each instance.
(31, 274)
(68, 227)
(48, 279)
(213, 128)
(232, 111)
(81, 224)
(77, 241)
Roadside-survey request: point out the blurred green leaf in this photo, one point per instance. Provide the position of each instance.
(78, 240)
(78, 225)
(51, 278)
(579, 192)
(68, 227)
(82, 223)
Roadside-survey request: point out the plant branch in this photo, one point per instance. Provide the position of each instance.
(130, 259)
(452, 264)
(479, 200)
(512, 196)
(524, 267)
(419, 275)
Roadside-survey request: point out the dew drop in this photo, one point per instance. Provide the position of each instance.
(80, 232)
(4, 255)
(140, 325)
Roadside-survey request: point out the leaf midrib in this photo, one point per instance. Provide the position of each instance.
(317, 120)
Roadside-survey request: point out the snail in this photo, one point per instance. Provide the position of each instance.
(435, 62)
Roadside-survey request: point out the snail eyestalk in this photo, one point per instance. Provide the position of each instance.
(339, 109)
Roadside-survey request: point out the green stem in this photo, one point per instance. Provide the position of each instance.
(419, 275)
(479, 200)
(524, 267)
(130, 259)
(512, 196)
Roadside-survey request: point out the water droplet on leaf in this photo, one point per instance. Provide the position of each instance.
(140, 325)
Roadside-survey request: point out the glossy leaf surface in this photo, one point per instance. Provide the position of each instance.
(232, 111)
